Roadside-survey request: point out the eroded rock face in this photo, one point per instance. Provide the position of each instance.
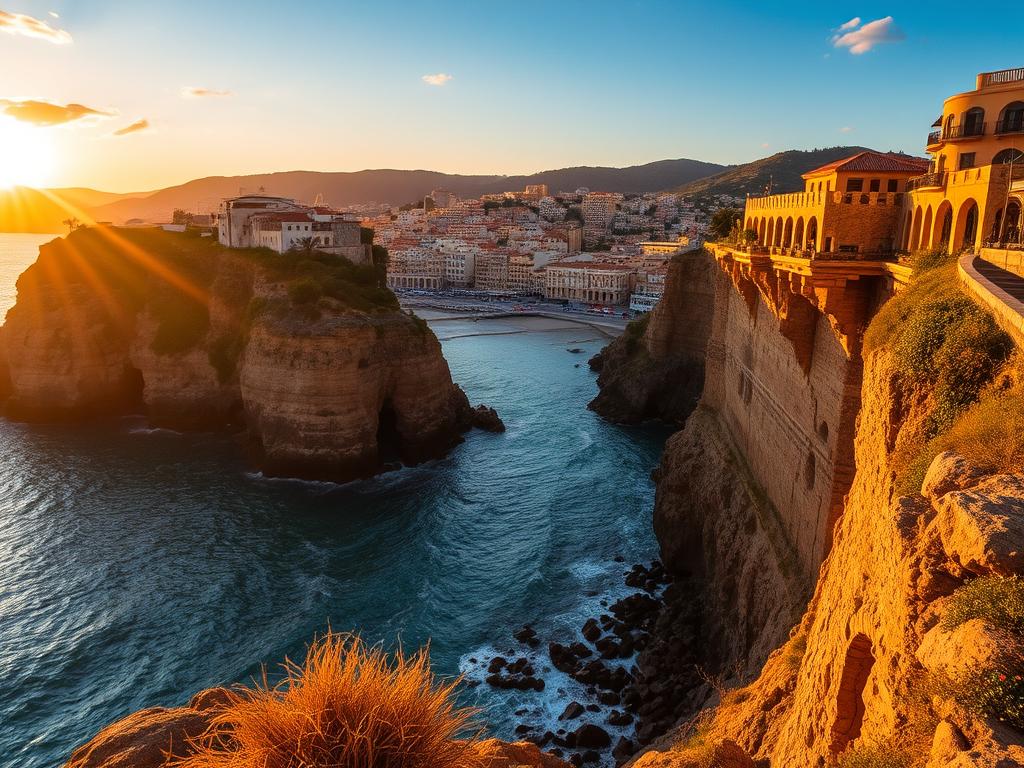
(323, 390)
(660, 373)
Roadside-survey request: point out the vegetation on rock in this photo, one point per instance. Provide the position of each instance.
(944, 342)
(998, 600)
(346, 704)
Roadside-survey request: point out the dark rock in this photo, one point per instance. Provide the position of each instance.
(486, 419)
(591, 630)
(572, 711)
(527, 635)
(609, 698)
(619, 718)
(624, 749)
(590, 756)
(496, 664)
(590, 736)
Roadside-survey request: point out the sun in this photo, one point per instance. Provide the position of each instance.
(27, 154)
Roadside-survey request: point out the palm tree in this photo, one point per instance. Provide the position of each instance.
(306, 244)
(72, 224)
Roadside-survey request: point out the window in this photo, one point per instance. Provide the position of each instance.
(966, 160)
(876, 185)
(893, 185)
(854, 185)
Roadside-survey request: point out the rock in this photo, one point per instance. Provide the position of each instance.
(496, 664)
(982, 529)
(591, 630)
(211, 699)
(590, 736)
(590, 756)
(487, 419)
(972, 646)
(949, 472)
(624, 748)
(619, 719)
(499, 754)
(609, 698)
(947, 744)
(142, 739)
(572, 711)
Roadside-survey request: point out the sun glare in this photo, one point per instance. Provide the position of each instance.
(27, 154)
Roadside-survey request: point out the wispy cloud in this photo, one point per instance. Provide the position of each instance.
(439, 79)
(197, 92)
(861, 39)
(846, 129)
(43, 113)
(138, 125)
(29, 26)
(765, 145)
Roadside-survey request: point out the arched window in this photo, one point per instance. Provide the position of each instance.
(949, 126)
(1008, 155)
(974, 121)
(1011, 119)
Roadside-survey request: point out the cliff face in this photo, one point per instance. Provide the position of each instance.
(324, 372)
(656, 369)
(758, 490)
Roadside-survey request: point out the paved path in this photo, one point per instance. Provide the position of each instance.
(1008, 281)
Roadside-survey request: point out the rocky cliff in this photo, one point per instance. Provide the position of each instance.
(304, 353)
(904, 654)
(656, 368)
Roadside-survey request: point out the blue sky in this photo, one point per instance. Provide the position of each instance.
(533, 85)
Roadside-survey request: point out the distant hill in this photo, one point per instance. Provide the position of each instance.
(784, 169)
(27, 210)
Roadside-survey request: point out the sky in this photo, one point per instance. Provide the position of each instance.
(132, 96)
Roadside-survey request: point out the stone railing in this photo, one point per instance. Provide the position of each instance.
(1008, 311)
(1010, 259)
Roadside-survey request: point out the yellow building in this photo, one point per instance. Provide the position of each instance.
(971, 195)
(852, 207)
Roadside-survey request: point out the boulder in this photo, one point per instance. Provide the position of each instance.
(972, 646)
(142, 740)
(590, 736)
(949, 472)
(982, 529)
(500, 754)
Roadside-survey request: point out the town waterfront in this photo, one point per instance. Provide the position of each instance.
(139, 566)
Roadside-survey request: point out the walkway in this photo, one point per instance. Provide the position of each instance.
(1001, 291)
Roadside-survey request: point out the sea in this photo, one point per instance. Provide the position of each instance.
(138, 565)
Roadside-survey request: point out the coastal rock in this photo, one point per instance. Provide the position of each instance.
(143, 739)
(499, 754)
(196, 336)
(656, 368)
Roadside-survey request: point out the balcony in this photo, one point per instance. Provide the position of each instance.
(935, 137)
(928, 181)
(964, 131)
(1010, 125)
(1001, 77)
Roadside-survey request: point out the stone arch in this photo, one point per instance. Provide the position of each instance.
(947, 128)
(915, 231)
(761, 230)
(787, 236)
(850, 697)
(926, 229)
(778, 231)
(750, 223)
(966, 233)
(1011, 222)
(798, 233)
(943, 226)
(770, 232)
(1011, 118)
(812, 233)
(905, 240)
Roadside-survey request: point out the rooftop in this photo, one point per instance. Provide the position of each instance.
(873, 162)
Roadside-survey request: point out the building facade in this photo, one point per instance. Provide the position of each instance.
(590, 282)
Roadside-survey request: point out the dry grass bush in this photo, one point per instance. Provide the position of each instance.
(999, 600)
(873, 756)
(346, 706)
(944, 341)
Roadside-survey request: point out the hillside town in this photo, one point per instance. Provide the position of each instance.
(606, 251)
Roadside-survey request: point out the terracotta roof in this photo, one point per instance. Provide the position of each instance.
(874, 162)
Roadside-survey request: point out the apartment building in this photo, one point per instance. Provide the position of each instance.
(589, 282)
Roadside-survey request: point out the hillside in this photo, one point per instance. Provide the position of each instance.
(783, 169)
(30, 210)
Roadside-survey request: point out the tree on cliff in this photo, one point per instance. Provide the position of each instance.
(723, 221)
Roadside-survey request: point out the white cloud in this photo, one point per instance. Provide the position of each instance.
(846, 129)
(196, 92)
(28, 26)
(439, 79)
(765, 145)
(861, 39)
(54, 14)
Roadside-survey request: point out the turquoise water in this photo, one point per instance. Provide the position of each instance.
(139, 566)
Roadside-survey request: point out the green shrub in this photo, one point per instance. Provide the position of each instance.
(304, 291)
(998, 600)
(997, 693)
(873, 756)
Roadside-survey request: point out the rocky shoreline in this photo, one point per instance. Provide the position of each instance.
(634, 662)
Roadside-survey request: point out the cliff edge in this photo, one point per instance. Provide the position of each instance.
(305, 353)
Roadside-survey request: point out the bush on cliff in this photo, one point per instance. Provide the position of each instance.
(944, 342)
(998, 600)
(346, 705)
(871, 756)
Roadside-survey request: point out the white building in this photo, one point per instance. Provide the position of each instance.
(233, 216)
